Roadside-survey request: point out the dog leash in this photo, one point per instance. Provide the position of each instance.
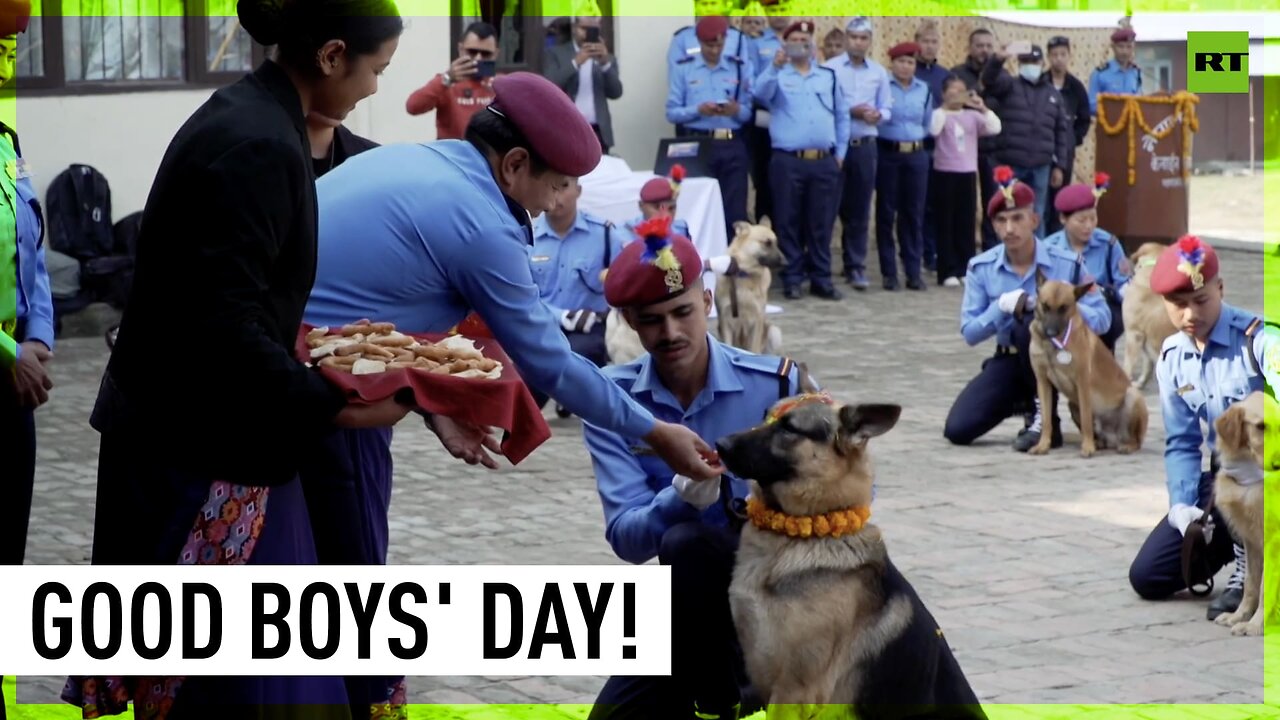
(1190, 540)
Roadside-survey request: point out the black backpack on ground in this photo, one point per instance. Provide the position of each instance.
(78, 208)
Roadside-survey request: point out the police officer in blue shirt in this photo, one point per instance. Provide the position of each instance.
(809, 129)
(685, 44)
(1221, 356)
(865, 84)
(709, 95)
(571, 250)
(1118, 76)
(419, 235)
(999, 300)
(651, 511)
(26, 314)
(763, 48)
(659, 196)
(1102, 253)
(902, 172)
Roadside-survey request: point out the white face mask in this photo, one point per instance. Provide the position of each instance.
(1030, 72)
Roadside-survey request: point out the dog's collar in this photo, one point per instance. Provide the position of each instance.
(829, 524)
(1244, 472)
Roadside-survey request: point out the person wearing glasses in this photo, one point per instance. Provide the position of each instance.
(465, 88)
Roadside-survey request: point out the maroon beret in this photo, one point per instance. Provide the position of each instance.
(1012, 193)
(1123, 35)
(804, 26)
(905, 48)
(1075, 197)
(657, 190)
(1184, 266)
(655, 268)
(548, 118)
(14, 16)
(712, 27)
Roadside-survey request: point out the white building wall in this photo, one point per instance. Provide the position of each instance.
(125, 135)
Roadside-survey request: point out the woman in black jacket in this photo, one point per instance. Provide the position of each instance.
(204, 411)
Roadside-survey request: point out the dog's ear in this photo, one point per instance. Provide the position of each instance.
(1230, 427)
(1082, 290)
(860, 423)
(1040, 278)
(765, 222)
(741, 228)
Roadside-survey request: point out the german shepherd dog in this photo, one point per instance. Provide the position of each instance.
(1249, 452)
(1146, 324)
(828, 626)
(1067, 355)
(741, 294)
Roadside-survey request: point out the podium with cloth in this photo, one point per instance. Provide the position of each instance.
(1144, 144)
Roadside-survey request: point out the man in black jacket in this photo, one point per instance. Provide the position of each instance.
(1036, 139)
(981, 44)
(1075, 101)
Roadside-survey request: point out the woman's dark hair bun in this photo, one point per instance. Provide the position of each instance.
(262, 19)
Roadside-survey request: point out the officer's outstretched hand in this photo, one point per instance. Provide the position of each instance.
(683, 451)
(465, 441)
(1009, 302)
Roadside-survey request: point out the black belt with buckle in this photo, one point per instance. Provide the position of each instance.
(808, 154)
(902, 147)
(720, 134)
(864, 140)
(1006, 350)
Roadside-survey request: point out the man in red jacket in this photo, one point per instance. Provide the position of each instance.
(465, 88)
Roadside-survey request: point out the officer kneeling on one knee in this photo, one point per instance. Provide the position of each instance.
(999, 300)
(1221, 356)
(1101, 252)
(686, 376)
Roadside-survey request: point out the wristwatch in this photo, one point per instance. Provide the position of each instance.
(447, 81)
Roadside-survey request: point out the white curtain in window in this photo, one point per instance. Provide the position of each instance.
(105, 40)
(229, 48)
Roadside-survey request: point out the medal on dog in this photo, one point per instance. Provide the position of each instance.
(1064, 357)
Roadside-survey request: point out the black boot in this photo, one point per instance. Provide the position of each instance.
(1030, 435)
(1229, 600)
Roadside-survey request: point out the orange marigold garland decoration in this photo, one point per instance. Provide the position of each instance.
(787, 406)
(836, 523)
(1131, 118)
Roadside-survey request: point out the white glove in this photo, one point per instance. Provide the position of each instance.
(701, 494)
(720, 264)
(569, 319)
(1008, 302)
(578, 320)
(1180, 516)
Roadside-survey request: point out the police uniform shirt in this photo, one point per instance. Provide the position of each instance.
(808, 111)
(685, 44)
(678, 227)
(763, 49)
(866, 84)
(1109, 77)
(1103, 257)
(567, 270)
(419, 235)
(692, 82)
(991, 276)
(640, 504)
(23, 226)
(1197, 387)
(912, 111)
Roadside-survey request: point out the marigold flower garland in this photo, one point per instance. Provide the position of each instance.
(829, 524)
(1131, 118)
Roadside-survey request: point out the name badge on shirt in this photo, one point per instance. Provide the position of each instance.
(23, 169)
(642, 451)
(540, 258)
(1185, 389)
(693, 50)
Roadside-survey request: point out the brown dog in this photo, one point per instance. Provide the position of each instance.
(1249, 451)
(1146, 324)
(1067, 355)
(828, 626)
(741, 294)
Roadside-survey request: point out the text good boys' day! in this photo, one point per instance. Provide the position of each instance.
(383, 620)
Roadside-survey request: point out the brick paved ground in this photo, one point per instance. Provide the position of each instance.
(1023, 560)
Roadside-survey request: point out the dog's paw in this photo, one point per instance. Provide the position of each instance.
(1040, 448)
(1127, 449)
(1231, 620)
(1088, 450)
(1247, 629)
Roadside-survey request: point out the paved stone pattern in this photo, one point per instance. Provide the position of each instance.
(1023, 560)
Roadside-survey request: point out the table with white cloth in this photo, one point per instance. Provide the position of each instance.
(612, 192)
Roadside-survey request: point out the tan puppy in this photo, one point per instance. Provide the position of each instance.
(1146, 323)
(829, 628)
(1067, 355)
(1249, 451)
(741, 294)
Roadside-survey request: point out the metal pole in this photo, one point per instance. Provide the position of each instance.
(1251, 121)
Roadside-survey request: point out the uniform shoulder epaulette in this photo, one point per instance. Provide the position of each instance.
(1104, 65)
(985, 257)
(595, 219)
(1060, 253)
(686, 27)
(1164, 352)
(767, 364)
(685, 59)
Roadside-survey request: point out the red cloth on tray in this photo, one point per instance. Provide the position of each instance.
(502, 403)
